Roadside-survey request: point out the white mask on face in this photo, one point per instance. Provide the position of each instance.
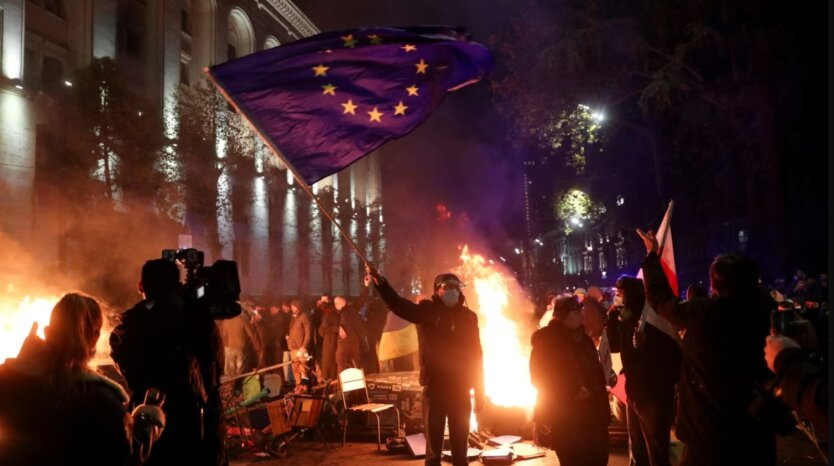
(450, 297)
(618, 301)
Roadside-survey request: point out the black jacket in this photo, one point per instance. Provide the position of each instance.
(722, 369)
(168, 346)
(349, 320)
(450, 343)
(652, 367)
(563, 361)
(88, 425)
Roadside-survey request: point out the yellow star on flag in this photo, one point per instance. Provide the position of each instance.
(349, 41)
(409, 48)
(375, 115)
(375, 39)
(329, 89)
(413, 90)
(321, 70)
(349, 107)
(421, 67)
(400, 109)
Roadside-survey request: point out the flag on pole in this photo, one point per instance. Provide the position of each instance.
(667, 250)
(399, 338)
(667, 261)
(328, 100)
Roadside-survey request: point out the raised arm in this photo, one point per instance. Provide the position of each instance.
(400, 306)
(658, 292)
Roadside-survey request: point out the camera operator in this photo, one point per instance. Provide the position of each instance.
(163, 342)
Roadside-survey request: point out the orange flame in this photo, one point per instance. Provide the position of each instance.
(503, 311)
(18, 310)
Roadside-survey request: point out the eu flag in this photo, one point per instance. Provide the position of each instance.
(328, 100)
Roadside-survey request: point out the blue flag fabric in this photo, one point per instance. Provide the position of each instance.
(328, 100)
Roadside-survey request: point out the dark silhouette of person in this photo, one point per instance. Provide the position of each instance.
(168, 344)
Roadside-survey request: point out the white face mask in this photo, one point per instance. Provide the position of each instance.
(450, 297)
(618, 301)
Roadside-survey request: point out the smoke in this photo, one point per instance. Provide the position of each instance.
(100, 253)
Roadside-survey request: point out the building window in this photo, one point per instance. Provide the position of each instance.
(133, 43)
(30, 72)
(184, 78)
(185, 21)
(603, 265)
(587, 263)
(621, 262)
(743, 239)
(56, 7)
(51, 74)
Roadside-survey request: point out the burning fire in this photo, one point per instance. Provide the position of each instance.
(19, 310)
(505, 339)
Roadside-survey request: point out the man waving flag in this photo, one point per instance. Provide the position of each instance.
(667, 261)
(330, 99)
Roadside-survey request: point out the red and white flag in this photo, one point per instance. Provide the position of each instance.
(667, 261)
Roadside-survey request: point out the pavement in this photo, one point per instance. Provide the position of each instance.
(793, 450)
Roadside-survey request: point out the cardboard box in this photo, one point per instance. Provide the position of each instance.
(403, 390)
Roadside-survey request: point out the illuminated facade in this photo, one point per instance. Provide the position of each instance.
(282, 244)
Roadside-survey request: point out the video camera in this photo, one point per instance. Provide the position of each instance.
(214, 289)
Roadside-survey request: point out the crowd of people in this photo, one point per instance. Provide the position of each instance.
(721, 366)
(703, 364)
(318, 340)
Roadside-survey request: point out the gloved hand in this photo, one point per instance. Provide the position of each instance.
(148, 424)
(373, 272)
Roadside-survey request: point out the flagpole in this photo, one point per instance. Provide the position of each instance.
(304, 186)
(666, 228)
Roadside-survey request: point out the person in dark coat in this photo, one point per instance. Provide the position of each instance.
(329, 332)
(722, 366)
(651, 369)
(451, 361)
(572, 412)
(163, 343)
(351, 334)
(54, 409)
(299, 340)
(273, 325)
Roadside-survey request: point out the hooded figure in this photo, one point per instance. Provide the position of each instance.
(451, 361)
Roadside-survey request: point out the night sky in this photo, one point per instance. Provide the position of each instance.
(461, 155)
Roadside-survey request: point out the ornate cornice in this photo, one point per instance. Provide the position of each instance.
(291, 13)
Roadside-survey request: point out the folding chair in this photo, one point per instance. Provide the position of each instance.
(353, 379)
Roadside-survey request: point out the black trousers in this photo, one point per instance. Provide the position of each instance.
(649, 425)
(440, 404)
(580, 444)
